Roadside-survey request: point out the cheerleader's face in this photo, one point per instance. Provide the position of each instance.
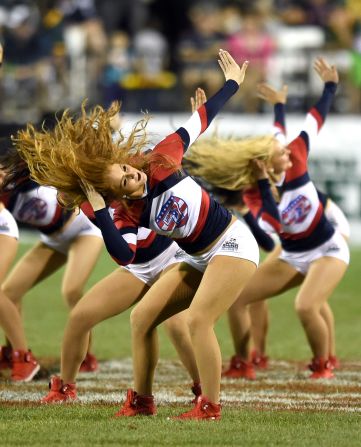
(124, 180)
(280, 158)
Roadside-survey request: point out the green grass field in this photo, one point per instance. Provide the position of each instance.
(280, 408)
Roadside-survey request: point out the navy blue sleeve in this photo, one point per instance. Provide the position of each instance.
(279, 117)
(263, 239)
(116, 245)
(324, 103)
(217, 101)
(269, 211)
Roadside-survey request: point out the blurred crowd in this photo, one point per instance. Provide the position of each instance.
(152, 54)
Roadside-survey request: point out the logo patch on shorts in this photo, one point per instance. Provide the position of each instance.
(230, 245)
(174, 213)
(297, 211)
(332, 248)
(4, 227)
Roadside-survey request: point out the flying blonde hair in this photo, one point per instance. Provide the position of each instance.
(227, 163)
(82, 150)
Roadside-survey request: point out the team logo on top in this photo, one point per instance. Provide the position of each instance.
(174, 213)
(33, 210)
(297, 211)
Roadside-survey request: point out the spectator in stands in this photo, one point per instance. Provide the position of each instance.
(118, 65)
(198, 48)
(254, 43)
(27, 56)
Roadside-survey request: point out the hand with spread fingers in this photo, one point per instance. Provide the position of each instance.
(271, 95)
(230, 68)
(95, 199)
(327, 72)
(198, 99)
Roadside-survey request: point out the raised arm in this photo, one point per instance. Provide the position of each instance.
(317, 114)
(278, 99)
(177, 143)
(203, 116)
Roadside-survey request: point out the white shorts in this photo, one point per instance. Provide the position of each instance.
(61, 240)
(8, 225)
(237, 241)
(336, 247)
(149, 272)
(337, 218)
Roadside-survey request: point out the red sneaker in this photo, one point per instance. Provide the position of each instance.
(25, 366)
(59, 392)
(240, 369)
(334, 362)
(204, 409)
(89, 364)
(321, 369)
(197, 391)
(136, 405)
(259, 360)
(5, 357)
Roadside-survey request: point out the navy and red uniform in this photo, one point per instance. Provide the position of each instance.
(299, 217)
(146, 243)
(174, 205)
(234, 201)
(36, 206)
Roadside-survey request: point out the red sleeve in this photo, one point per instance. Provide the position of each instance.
(298, 157)
(87, 210)
(253, 201)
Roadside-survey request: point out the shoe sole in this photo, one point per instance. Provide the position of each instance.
(322, 377)
(30, 376)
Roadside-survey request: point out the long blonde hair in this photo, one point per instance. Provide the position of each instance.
(82, 149)
(227, 163)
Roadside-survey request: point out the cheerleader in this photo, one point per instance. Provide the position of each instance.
(259, 311)
(313, 253)
(66, 238)
(154, 192)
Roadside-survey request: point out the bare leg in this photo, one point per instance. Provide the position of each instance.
(321, 280)
(327, 315)
(37, 264)
(271, 278)
(217, 290)
(221, 284)
(111, 296)
(259, 314)
(82, 257)
(178, 332)
(171, 294)
(10, 319)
